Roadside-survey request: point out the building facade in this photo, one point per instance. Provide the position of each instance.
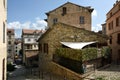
(29, 45)
(104, 29)
(72, 14)
(17, 46)
(10, 45)
(3, 42)
(54, 37)
(113, 31)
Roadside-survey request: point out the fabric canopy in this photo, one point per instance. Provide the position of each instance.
(77, 45)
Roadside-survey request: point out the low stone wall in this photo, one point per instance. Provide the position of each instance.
(66, 73)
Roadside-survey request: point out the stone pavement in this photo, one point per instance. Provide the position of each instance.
(22, 73)
(111, 72)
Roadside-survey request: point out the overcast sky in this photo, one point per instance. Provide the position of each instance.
(30, 14)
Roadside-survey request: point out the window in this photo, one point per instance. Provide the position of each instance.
(118, 38)
(111, 14)
(9, 37)
(45, 48)
(55, 20)
(9, 42)
(3, 69)
(64, 11)
(110, 40)
(82, 20)
(110, 25)
(119, 55)
(35, 39)
(4, 3)
(9, 31)
(35, 45)
(4, 32)
(117, 21)
(29, 39)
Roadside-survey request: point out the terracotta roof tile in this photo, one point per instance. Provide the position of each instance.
(10, 31)
(30, 31)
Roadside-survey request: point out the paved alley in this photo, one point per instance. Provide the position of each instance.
(109, 73)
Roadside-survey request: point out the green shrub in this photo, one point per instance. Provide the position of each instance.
(70, 53)
(89, 53)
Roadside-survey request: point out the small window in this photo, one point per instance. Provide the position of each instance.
(64, 11)
(29, 39)
(117, 21)
(82, 21)
(9, 37)
(4, 32)
(4, 3)
(9, 42)
(110, 40)
(45, 48)
(111, 14)
(35, 45)
(55, 20)
(9, 31)
(118, 38)
(110, 25)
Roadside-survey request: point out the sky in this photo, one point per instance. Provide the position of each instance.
(30, 14)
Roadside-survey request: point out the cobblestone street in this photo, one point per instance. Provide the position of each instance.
(111, 72)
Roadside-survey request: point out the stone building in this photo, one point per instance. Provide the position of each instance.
(60, 32)
(113, 31)
(10, 45)
(72, 14)
(104, 29)
(30, 46)
(18, 51)
(3, 42)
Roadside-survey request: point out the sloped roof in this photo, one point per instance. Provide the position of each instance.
(30, 31)
(99, 37)
(10, 31)
(89, 8)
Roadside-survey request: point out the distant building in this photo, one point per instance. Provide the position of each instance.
(17, 46)
(30, 46)
(113, 31)
(3, 42)
(104, 28)
(10, 45)
(72, 14)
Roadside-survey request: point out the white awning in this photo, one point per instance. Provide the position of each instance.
(77, 45)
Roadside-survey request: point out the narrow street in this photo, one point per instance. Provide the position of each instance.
(21, 73)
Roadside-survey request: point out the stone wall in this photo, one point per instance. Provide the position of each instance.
(62, 71)
(72, 17)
